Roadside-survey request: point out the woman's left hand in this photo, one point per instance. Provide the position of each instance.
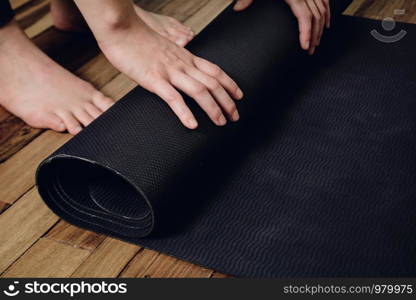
(312, 16)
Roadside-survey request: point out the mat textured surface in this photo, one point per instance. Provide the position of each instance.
(318, 179)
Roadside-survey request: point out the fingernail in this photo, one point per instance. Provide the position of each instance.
(240, 94)
(222, 121)
(308, 44)
(192, 123)
(312, 51)
(236, 116)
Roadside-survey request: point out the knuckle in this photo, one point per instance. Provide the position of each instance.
(216, 70)
(198, 88)
(231, 107)
(308, 15)
(171, 98)
(213, 84)
(217, 113)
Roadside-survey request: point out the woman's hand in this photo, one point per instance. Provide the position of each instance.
(312, 15)
(163, 68)
(159, 65)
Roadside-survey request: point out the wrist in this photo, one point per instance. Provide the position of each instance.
(119, 34)
(115, 24)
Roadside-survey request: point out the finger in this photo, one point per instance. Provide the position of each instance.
(217, 91)
(200, 94)
(328, 14)
(216, 72)
(304, 16)
(316, 25)
(323, 12)
(242, 4)
(171, 96)
(71, 123)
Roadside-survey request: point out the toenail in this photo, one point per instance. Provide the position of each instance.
(77, 129)
(61, 126)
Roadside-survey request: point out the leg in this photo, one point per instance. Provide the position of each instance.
(67, 17)
(39, 91)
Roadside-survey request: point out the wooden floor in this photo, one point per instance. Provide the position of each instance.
(33, 241)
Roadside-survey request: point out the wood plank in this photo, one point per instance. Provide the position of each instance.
(182, 10)
(152, 5)
(354, 6)
(137, 267)
(15, 134)
(47, 258)
(39, 26)
(18, 173)
(3, 206)
(98, 71)
(165, 266)
(18, 3)
(76, 237)
(33, 11)
(384, 8)
(219, 275)
(21, 225)
(108, 260)
(206, 14)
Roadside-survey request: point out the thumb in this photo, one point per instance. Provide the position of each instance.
(242, 4)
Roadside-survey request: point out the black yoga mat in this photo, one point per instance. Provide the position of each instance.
(317, 179)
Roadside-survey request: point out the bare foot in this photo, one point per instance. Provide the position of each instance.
(41, 92)
(67, 17)
(167, 27)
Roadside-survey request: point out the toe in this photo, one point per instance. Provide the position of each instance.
(54, 122)
(71, 123)
(93, 110)
(84, 117)
(182, 41)
(42, 119)
(101, 101)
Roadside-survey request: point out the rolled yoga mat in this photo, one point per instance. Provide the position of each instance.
(317, 179)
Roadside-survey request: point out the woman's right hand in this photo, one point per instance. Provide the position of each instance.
(164, 68)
